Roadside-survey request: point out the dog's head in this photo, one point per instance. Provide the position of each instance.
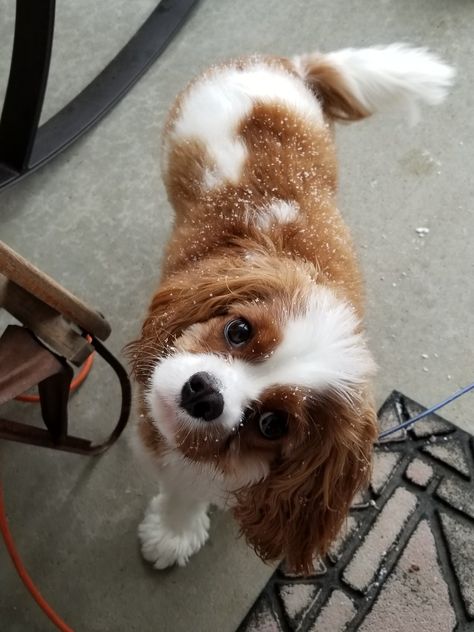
(253, 366)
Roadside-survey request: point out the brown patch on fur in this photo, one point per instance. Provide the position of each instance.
(184, 185)
(329, 85)
(299, 508)
(287, 160)
(150, 436)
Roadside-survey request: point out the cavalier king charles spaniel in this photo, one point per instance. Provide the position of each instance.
(252, 364)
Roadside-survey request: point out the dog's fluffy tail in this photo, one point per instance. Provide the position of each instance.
(355, 82)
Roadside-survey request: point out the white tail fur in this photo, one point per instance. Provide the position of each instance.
(358, 82)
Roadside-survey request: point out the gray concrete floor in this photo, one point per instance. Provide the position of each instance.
(96, 219)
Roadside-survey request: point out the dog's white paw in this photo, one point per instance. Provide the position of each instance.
(165, 545)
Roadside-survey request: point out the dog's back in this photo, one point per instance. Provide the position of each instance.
(248, 149)
(269, 106)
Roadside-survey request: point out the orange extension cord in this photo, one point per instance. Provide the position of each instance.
(23, 573)
(5, 530)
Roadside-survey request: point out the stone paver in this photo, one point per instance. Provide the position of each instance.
(457, 493)
(451, 453)
(384, 464)
(319, 568)
(367, 559)
(461, 546)
(419, 472)
(297, 600)
(415, 597)
(361, 499)
(336, 614)
(263, 620)
(377, 577)
(428, 427)
(344, 535)
(389, 417)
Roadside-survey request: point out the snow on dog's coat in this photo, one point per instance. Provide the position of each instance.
(253, 367)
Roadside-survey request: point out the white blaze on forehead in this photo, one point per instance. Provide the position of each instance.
(277, 212)
(215, 106)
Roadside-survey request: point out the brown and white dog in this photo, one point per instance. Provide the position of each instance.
(253, 367)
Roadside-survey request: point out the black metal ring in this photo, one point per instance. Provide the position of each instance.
(126, 397)
(23, 146)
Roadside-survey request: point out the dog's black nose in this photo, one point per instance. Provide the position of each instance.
(200, 397)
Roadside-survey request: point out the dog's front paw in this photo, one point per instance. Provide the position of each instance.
(164, 545)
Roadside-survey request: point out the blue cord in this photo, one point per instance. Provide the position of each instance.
(427, 412)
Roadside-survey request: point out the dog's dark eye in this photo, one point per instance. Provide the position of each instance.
(237, 332)
(273, 425)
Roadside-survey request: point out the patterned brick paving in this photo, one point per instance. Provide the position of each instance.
(406, 559)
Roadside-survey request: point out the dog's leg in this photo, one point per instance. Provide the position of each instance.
(176, 523)
(174, 528)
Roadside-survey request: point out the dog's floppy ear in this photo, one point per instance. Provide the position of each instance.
(299, 508)
(355, 82)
